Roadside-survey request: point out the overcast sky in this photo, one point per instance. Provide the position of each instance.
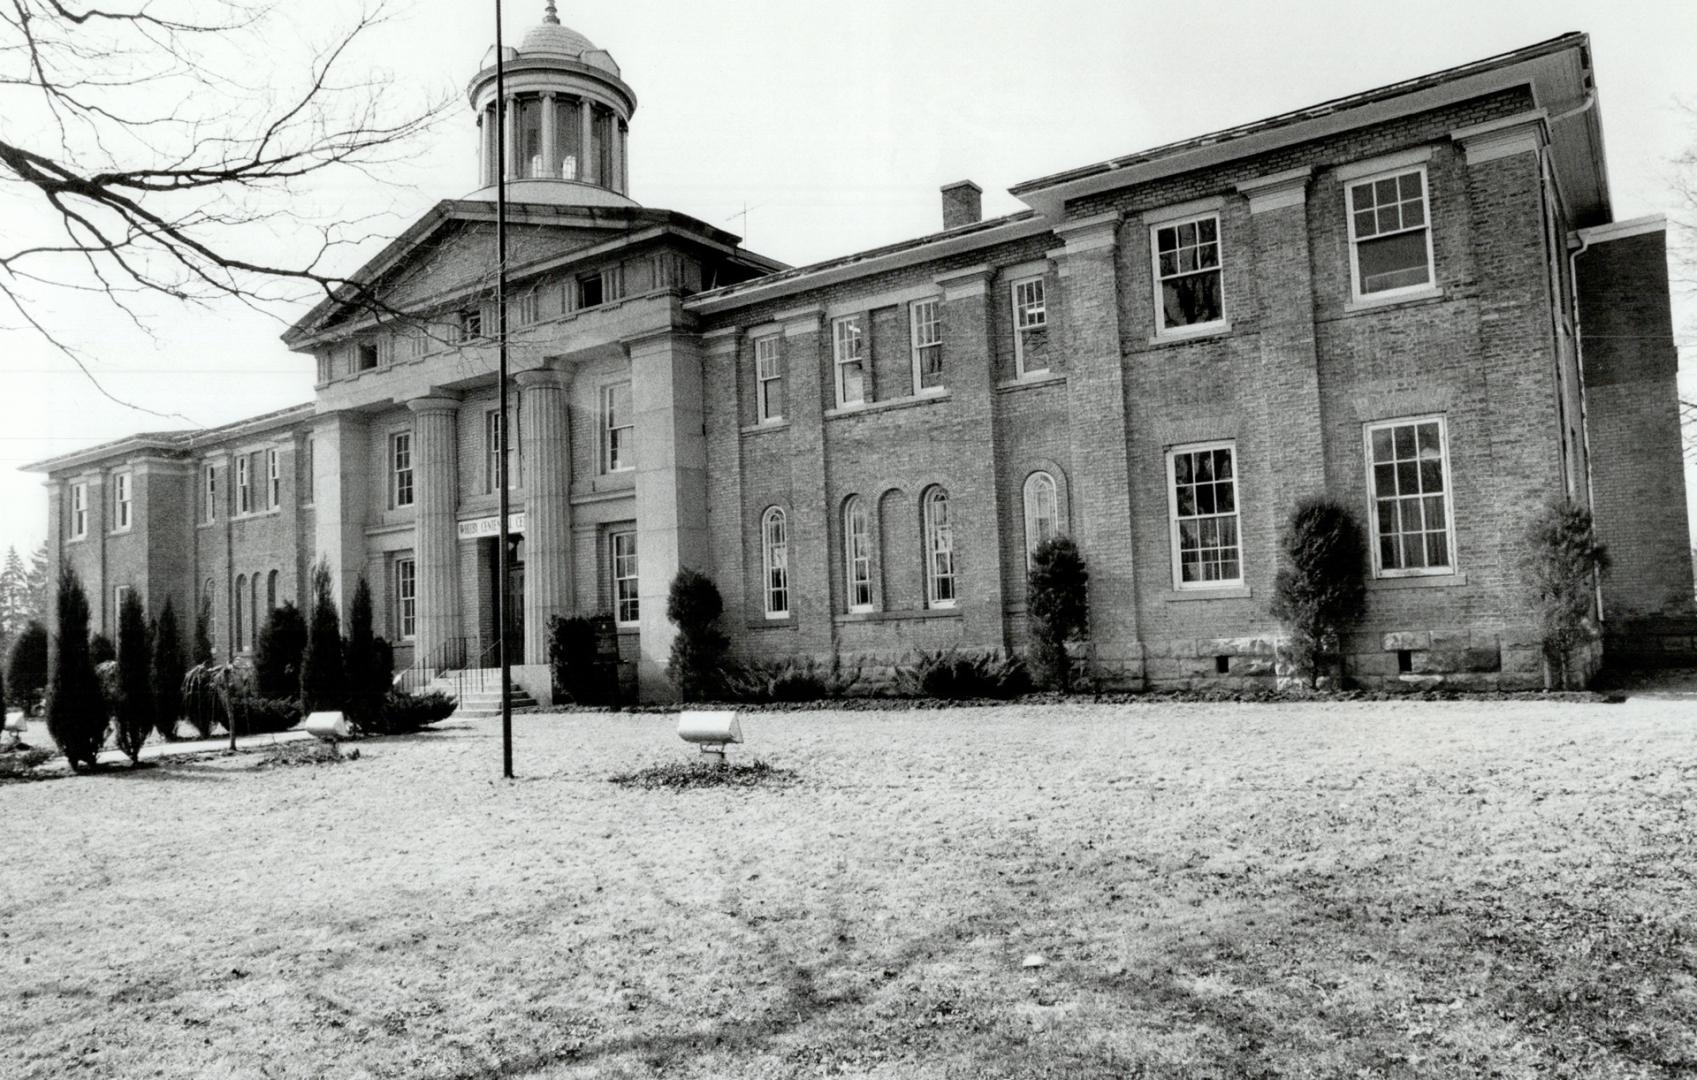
(834, 124)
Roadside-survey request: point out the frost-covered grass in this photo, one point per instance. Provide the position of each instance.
(1435, 889)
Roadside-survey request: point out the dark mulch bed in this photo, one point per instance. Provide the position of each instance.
(685, 775)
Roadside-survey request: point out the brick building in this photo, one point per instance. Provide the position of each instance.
(1414, 298)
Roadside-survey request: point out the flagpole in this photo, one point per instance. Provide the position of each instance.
(502, 598)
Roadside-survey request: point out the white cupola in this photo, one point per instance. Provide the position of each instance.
(567, 115)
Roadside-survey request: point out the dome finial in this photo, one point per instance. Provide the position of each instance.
(551, 15)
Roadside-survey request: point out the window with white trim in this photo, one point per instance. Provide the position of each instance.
(400, 469)
(775, 562)
(1408, 474)
(244, 485)
(600, 287)
(768, 379)
(622, 548)
(925, 321)
(1188, 287)
(122, 502)
(365, 355)
(618, 429)
(308, 483)
(857, 554)
(406, 599)
(209, 493)
(1030, 321)
(1202, 504)
(79, 511)
(939, 550)
(241, 616)
(1042, 511)
(492, 454)
(470, 325)
(273, 479)
(1389, 234)
(848, 342)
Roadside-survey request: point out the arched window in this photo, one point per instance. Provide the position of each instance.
(857, 554)
(208, 595)
(253, 611)
(241, 588)
(1042, 511)
(775, 544)
(271, 592)
(939, 550)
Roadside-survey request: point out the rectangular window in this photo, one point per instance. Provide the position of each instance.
(273, 479)
(769, 379)
(926, 322)
(1202, 487)
(1187, 274)
(400, 469)
(1390, 243)
(492, 455)
(623, 549)
(471, 324)
(1030, 321)
(79, 511)
(1408, 473)
(406, 599)
(307, 482)
(598, 288)
(849, 344)
(209, 493)
(365, 356)
(121, 504)
(244, 486)
(618, 429)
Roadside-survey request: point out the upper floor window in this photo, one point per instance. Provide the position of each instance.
(122, 504)
(1390, 238)
(470, 324)
(857, 554)
(768, 379)
(1202, 494)
(849, 350)
(1408, 474)
(492, 455)
(400, 469)
(939, 550)
(273, 479)
(1187, 273)
(79, 511)
(1030, 317)
(926, 322)
(119, 596)
(209, 493)
(365, 356)
(775, 558)
(307, 484)
(406, 599)
(244, 485)
(600, 287)
(618, 429)
(626, 608)
(1042, 511)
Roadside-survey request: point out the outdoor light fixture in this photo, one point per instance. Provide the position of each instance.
(328, 726)
(712, 731)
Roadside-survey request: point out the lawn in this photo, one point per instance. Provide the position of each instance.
(1407, 889)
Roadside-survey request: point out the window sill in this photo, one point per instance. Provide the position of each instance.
(785, 623)
(254, 514)
(842, 618)
(76, 539)
(1376, 303)
(1185, 335)
(1035, 379)
(764, 426)
(1416, 581)
(860, 408)
(123, 531)
(1224, 592)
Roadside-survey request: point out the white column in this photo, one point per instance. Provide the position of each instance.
(550, 154)
(342, 475)
(509, 129)
(618, 178)
(436, 553)
(586, 170)
(545, 436)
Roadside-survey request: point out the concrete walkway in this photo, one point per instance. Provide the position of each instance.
(37, 737)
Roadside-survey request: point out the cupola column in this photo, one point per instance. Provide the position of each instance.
(617, 180)
(509, 130)
(550, 154)
(587, 165)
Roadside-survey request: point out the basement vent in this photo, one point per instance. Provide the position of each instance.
(1222, 665)
(1404, 661)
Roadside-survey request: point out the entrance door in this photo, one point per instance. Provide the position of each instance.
(515, 611)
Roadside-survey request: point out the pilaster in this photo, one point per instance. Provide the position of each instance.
(811, 565)
(341, 466)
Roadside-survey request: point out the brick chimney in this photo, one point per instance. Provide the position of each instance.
(963, 204)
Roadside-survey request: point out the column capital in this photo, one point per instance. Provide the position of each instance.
(433, 403)
(544, 378)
